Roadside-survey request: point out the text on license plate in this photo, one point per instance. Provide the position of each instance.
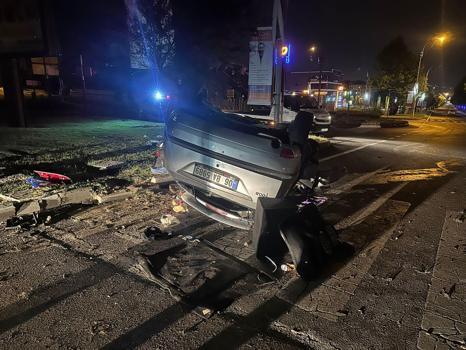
(214, 176)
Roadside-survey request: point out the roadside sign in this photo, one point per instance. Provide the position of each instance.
(261, 67)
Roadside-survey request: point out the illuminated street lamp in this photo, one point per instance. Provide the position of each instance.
(439, 39)
(313, 50)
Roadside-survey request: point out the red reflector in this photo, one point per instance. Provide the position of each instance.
(287, 153)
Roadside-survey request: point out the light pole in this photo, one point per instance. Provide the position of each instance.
(313, 49)
(278, 37)
(440, 39)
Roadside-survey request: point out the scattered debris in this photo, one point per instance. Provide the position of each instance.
(180, 209)
(398, 234)
(287, 267)
(152, 142)
(25, 222)
(115, 196)
(460, 218)
(179, 206)
(35, 183)
(316, 200)
(105, 165)
(362, 310)
(100, 327)
(169, 220)
(162, 179)
(206, 312)
(159, 170)
(53, 177)
(174, 188)
(154, 233)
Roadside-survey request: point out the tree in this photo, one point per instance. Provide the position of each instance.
(212, 39)
(459, 94)
(151, 34)
(396, 70)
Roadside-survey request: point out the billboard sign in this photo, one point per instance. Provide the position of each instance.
(261, 67)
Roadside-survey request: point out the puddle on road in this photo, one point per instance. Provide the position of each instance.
(443, 168)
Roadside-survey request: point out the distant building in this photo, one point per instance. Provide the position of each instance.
(357, 89)
(307, 82)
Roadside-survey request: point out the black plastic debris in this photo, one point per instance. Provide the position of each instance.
(201, 275)
(295, 226)
(155, 233)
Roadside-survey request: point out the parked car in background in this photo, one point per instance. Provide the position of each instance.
(448, 110)
(292, 104)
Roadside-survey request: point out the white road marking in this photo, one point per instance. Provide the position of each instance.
(350, 151)
(444, 319)
(340, 186)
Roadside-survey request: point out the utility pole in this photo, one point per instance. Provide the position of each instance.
(278, 38)
(320, 81)
(83, 79)
(416, 86)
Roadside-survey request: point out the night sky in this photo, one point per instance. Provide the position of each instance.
(350, 33)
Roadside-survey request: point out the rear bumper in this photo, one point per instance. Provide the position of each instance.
(216, 214)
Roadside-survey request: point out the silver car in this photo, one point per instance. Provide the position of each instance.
(225, 162)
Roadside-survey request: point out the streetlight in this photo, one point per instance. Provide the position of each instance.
(438, 39)
(313, 50)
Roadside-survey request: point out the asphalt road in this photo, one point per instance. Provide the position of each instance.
(398, 196)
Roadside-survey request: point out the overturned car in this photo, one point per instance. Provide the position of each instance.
(226, 162)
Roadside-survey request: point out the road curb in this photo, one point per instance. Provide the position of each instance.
(85, 196)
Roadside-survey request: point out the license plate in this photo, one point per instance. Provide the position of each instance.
(215, 176)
